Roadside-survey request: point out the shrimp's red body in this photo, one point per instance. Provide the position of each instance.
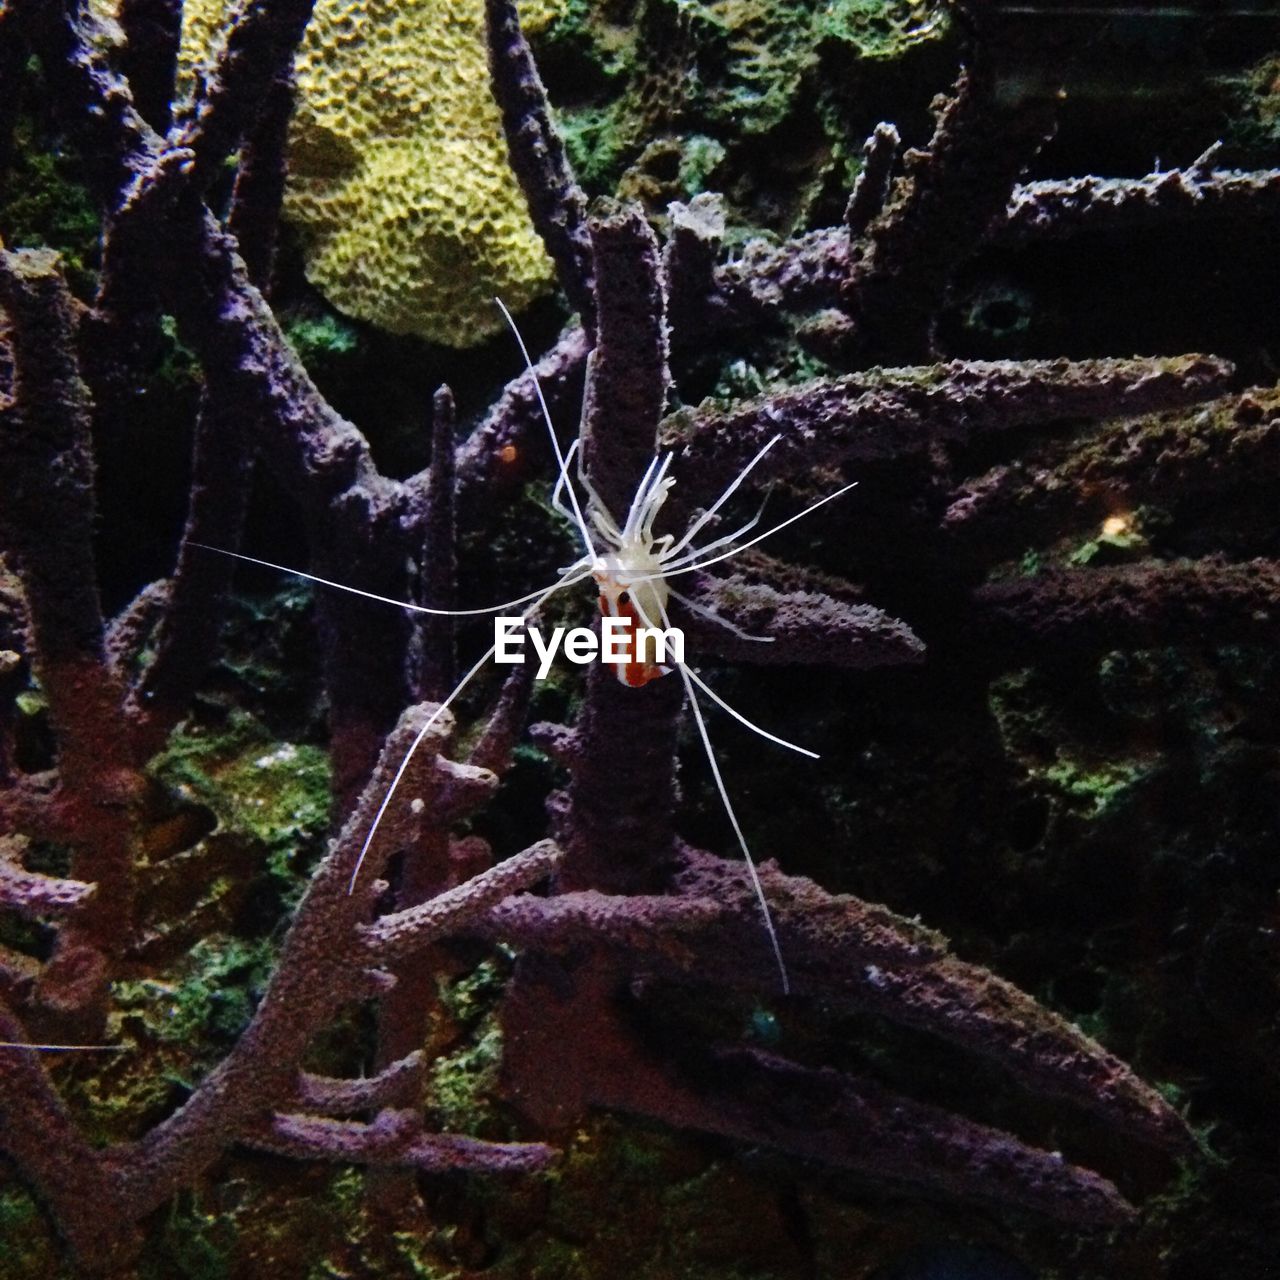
(634, 671)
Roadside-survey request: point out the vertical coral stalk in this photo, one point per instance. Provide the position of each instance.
(39, 1135)
(556, 202)
(622, 797)
(46, 521)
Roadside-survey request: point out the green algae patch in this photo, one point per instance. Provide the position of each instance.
(29, 1250)
(687, 1214)
(882, 30)
(464, 1083)
(45, 205)
(212, 1000)
(465, 1079)
(1095, 786)
(246, 1219)
(274, 794)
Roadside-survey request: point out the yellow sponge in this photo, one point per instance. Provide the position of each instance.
(399, 185)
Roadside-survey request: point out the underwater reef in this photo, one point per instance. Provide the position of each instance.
(328, 947)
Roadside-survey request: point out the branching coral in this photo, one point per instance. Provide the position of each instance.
(644, 950)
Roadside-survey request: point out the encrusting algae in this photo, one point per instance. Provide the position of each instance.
(399, 186)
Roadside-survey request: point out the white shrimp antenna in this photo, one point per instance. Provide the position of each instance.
(402, 604)
(561, 463)
(685, 673)
(63, 1048)
(693, 564)
(737, 828)
(567, 581)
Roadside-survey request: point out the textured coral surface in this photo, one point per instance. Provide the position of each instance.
(398, 179)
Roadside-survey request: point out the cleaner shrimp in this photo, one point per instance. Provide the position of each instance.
(631, 568)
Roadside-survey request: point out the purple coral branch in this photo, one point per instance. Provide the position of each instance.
(895, 413)
(1232, 446)
(392, 937)
(325, 963)
(152, 31)
(628, 381)
(256, 52)
(940, 214)
(39, 1134)
(323, 1095)
(513, 427)
(806, 626)
(842, 949)
(822, 1115)
(396, 1138)
(494, 747)
(1058, 207)
(810, 270)
(189, 604)
(871, 188)
(46, 522)
(254, 215)
(436, 640)
(689, 270)
(853, 1123)
(556, 202)
(1154, 603)
(618, 831)
(31, 893)
(48, 476)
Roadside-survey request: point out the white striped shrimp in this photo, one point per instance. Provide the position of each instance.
(632, 568)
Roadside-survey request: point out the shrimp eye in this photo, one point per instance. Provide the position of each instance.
(624, 598)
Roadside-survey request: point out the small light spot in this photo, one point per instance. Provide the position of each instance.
(417, 805)
(1113, 526)
(508, 454)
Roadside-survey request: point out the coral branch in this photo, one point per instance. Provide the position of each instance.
(627, 386)
(395, 936)
(150, 57)
(436, 638)
(513, 427)
(323, 1095)
(841, 949)
(750, 1097)
(852, 1123)
(190, 603)
(1062, 207)
(871, 189)
(322, 966)
(494, 748)
(556, 203)
(33, 894)
(1231, 447)
(47, 515)
(259, 187)
(895, 413)
(47, 522)
(40, 1136)
(689, 269)
(1135, 606)
(951, 194)
(806, 627)
(257, 51)
(396, 1138)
